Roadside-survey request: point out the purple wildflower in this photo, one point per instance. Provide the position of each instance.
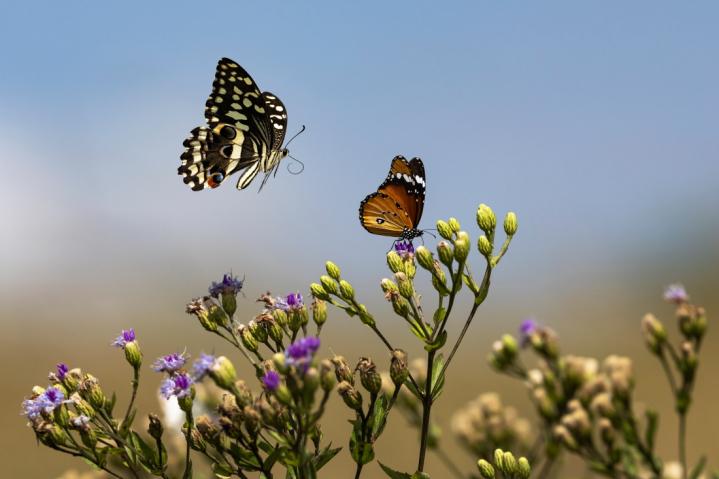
(271, 380)
(675, 293)
(526, 329)
(291, 302)
(176, 385)
(202, 366)
(126, 336)
(45, 402)
(404, 248)
(170, 363)
(300, 352)
(229, 285)
(61, 370)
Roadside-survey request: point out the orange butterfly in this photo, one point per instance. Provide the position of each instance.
(396, 208)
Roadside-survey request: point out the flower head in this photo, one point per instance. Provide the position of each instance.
(675, 293)
(229, 285)
(81, 422)
(176, 385)
(291, 302)
(126, 336)
(526, 329)
(404, 248)
(271, 380)
(300, 352)
(202, 366)
(170, 363)
(61, 370)
(46, 402)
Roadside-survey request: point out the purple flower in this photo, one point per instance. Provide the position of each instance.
(81, 422)
(127, 336)
(176, 385)
(292, 301)
(170, 363)
(45, 402)
(202, 366)
(300, 352)
(675, 293)
(229, 285)
(271, 380)
(404, 248)
(61, 370)
(526, 329)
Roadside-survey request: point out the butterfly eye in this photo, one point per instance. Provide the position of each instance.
(228, 132)
(226, 151)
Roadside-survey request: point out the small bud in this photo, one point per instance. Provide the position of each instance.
(510, 463)
(280, 316)
(499, 459)
(606, 432)
(283, 395)
(461, 249)
(275, 331)
(398, 370)
(333, 270)
(248, 340)
(404, 285)
(369, 376)
(91, 392)
(207, 429)
(328, 284)
(319, 312)
(563, 435)
(485, 246)
(454, 225)
(445, 253)
(319, 292)
(394, 262)
(257, 331)
(327, 375)
(351, 397)
(388, 286)
(62, 416)
(229, 303)
(185, 402)
(485, 469)
(155, 428)
(72, 379)
(486, 220)
(444, 230)
(510, 224)
(311, 381)
(654, 333)
(223, 373)
(347, 292)
(342, 370)
(524, 470)
(133, 355)
(424, 258)
(400, 305)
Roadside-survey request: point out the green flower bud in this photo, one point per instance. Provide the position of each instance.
(400, 305)
(509, 346)
(485, 469)
(88, 438)
(394, 262)
(274, 330)
(350, 395)
(62, 416)
(388, 286)
(257, 331)
(444, 230)
(347, 292)
(296, 319)
(319, 312)
(454, 225)
(155, 428)
(328, 284)
(365, 317)
(461, 249)
(311, 381)
(280, 317)
(82, 406)
(327, 375)
(510, 224)
(223, 373)
(398, 370)
(72, 379)
(282, 393)
(185, 402)
(509, 462)
(90, 391)
(445, 253)
(215, 316)
(486, 220)
(524, 470)
(424, 257)
(243, 395)
(404, 285)
(333, 270)
(248, 340)
(499, 459)
(654, 333)
(369, 377)
(133, 355)
(229, 303)
(485, 246)
(342, 370)
(410, 268)
(319, 292)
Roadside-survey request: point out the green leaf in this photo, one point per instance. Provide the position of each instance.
(437, 377)
(325, 456)
(651, 431)
(417, 330)
(698, 468)
(221, 471)
(415, 392)
(474, 287)
(361, 451)
(439, 315)
(394, 474)
(437, 343)
(379, 417)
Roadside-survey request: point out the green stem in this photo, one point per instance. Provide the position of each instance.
(426, 410)
(135, 386)
(188, 440)
(683, 444)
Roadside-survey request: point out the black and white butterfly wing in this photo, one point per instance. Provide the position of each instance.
(246, 131)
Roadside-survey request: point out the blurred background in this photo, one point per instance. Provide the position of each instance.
(596, 122)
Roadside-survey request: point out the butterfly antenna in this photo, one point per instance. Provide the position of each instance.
(296, 135)
(302, 166)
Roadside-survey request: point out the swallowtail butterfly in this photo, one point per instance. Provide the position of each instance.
(396, 208)
(244, 133)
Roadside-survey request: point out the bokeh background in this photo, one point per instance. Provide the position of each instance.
(597, 122)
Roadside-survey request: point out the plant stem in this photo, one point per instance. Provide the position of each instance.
(135, 386)
(188, 440)
(683, 444)
(426, 409)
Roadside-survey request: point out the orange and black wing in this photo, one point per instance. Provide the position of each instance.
(397, 205)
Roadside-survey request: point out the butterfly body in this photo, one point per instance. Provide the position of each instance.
(396, 208)
(244, 133)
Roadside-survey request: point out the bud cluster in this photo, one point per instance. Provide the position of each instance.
(504, 465)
